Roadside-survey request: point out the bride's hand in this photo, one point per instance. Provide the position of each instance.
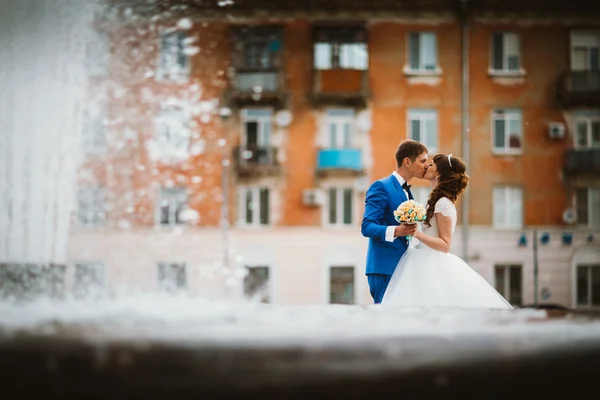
(418, 235)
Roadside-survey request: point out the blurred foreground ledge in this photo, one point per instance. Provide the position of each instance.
(538, 357)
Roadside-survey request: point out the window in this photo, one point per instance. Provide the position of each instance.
(340, 206)
(173, 61)
(505, 52)
(587, 134)
(588, 285)
(171, 202)
(585, 47)
(422, 126)
(509, 283)
(254, 206)
(256, 283)
(172, 276)
(507, 131)
(340, 124)
(90, 211)
(258, 54)
(256, 139)
(508, 207)
(422, 51)
(588, 206)
(257, 48)
(172, 133)
(89, 279)
(343, 48)
(341, 285)
(94, 135)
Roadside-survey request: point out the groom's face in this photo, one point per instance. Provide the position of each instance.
(418, 168)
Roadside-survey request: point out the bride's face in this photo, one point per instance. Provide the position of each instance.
(431, 173)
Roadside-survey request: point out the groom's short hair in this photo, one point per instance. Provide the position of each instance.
(409, 148)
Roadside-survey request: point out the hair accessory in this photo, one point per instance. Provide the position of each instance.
(450, 162)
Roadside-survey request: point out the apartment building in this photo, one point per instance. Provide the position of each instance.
(230, 147)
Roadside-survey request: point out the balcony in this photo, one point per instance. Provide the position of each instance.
(579, 89)
(343, 87)
(257, 67)
(340, 161)
(256, 161)
(340, 65)
(582, 161)
(257, 87)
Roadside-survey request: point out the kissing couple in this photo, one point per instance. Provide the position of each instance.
(424, 274)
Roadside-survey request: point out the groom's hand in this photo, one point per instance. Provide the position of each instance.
(405, 230)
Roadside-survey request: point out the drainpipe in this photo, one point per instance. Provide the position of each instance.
(464, 28)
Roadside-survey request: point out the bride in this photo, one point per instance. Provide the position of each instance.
(427, 274)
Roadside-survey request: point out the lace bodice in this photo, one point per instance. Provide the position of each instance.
(445, 207)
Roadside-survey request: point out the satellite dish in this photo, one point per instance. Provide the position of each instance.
(283, 118)
(569, 217)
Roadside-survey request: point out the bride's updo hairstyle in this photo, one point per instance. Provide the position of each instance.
(452, 181)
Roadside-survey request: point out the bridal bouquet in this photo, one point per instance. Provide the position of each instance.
(410, 212)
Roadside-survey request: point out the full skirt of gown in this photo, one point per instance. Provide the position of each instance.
(427, 277)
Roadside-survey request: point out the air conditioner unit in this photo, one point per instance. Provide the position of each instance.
(312, 197)
(556, 130)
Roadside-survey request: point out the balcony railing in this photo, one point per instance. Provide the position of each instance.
(340, 160)
(255, 160)
(582, 161)
(257, 86)
(257, 81)
(579, 88)
(340, 86)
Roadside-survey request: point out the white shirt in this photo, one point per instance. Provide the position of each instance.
(389, 232)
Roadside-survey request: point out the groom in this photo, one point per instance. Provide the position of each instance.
(387, 238)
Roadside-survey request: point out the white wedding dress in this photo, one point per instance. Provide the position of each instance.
(427, 277)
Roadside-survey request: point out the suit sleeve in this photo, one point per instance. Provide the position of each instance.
(375, 207)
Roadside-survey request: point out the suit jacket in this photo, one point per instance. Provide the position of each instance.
(383, 197)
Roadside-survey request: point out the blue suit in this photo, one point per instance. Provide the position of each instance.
(383, 197)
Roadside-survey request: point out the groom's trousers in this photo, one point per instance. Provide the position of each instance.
(378, 283)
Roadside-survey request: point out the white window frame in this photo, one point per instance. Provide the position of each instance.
(593, 206)
(264, 122)
(255, 204)
(511, 47)
(169, 67)
(96, 197)
(99, 271)
(172, 132)
(589, 266)
(340, 209)
(269, 283)
(350, 55)
(424, 65)
(428, 127)
(354, 282)
(161, 284)
(588, 121)
(509, 115)
(177, 199)
(343, 121)
(506, 291)
(512, 196)
(587, 40)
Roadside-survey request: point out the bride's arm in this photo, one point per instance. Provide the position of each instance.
(444, 242)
